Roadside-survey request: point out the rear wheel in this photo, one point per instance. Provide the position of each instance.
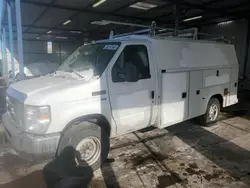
(91, 143)
(212, 113)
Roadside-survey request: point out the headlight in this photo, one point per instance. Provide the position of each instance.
(37, 119)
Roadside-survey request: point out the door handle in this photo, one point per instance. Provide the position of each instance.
(152, 94)
(184, 95)
(226, 91)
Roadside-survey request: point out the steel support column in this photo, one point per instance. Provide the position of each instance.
(19, 38)
(11, 49)
(60, 53)
(4, 52)
(247, 49)
(177, 17)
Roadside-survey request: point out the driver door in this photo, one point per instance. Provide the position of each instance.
(132, 101)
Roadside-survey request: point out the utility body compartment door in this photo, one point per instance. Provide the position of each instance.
(197, 101)
(218, 78)
(174, 98)
(233, 86)
(132, 102)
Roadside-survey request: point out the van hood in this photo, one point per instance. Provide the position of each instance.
(35, 85)
(49, 89)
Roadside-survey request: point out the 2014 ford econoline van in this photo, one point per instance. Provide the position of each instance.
(117, 86)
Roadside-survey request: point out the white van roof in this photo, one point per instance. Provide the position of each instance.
(181, 53)
(155, 38)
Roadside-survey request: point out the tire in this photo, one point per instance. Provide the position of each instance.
(86, 132)
(208, 118)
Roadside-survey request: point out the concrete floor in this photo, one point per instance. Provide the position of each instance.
(183, 155)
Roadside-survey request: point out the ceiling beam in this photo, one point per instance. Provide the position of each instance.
(119, 27)
(157, 8)
(211, 2)
(89, 5)
(205, 6)
(55, 41)
(223, 11)
(220, 12)
(46, 28)
(83, 35)
(70, 18)
(161, 17)
(37, 3)
(207, 21)
(38, 17)
(54, 34)
(126, 6)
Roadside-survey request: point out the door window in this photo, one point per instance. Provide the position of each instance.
(133, 54)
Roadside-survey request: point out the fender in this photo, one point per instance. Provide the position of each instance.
(78, 110)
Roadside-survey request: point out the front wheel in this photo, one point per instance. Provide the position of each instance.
(90, 141)
(212, 113)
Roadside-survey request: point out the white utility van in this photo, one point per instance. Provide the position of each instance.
(117, 86)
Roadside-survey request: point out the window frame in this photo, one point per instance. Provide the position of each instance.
(122, 51)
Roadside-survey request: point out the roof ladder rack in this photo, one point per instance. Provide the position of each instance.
(154, 30)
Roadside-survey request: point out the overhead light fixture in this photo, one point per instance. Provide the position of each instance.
(185, 34)
(49, 47)
(102, 22)
(76, 32)
(67, 22)
(37, 38)
(193, 18)
(49, 32)
(98, 3)
(162, 30)
(226, 22)
(143, 6)
(61, 37)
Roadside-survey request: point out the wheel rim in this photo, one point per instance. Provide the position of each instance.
(213, 112)
(89, 149)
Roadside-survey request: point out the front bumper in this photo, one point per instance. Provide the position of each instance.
(30, 146)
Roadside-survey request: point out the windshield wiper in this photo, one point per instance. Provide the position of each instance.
(64, 73)
(78, 74)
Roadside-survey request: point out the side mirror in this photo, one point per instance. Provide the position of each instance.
(131, 73)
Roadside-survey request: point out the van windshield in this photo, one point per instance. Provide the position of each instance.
(90, 60)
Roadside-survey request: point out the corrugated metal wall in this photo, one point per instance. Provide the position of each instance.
(36, 51)
(237, 33)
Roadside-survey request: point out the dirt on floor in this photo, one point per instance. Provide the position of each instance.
(183, 155)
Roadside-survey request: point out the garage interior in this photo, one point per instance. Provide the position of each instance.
(183, 155)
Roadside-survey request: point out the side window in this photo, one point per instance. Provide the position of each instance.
(133, 54)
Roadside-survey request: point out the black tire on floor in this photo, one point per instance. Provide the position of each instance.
(74, 135)
(204, 120)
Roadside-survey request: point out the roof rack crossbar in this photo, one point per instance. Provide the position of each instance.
(153, 30)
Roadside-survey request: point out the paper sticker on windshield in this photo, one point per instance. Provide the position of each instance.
(110, 47)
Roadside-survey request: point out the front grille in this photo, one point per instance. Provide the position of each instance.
(16, 109)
